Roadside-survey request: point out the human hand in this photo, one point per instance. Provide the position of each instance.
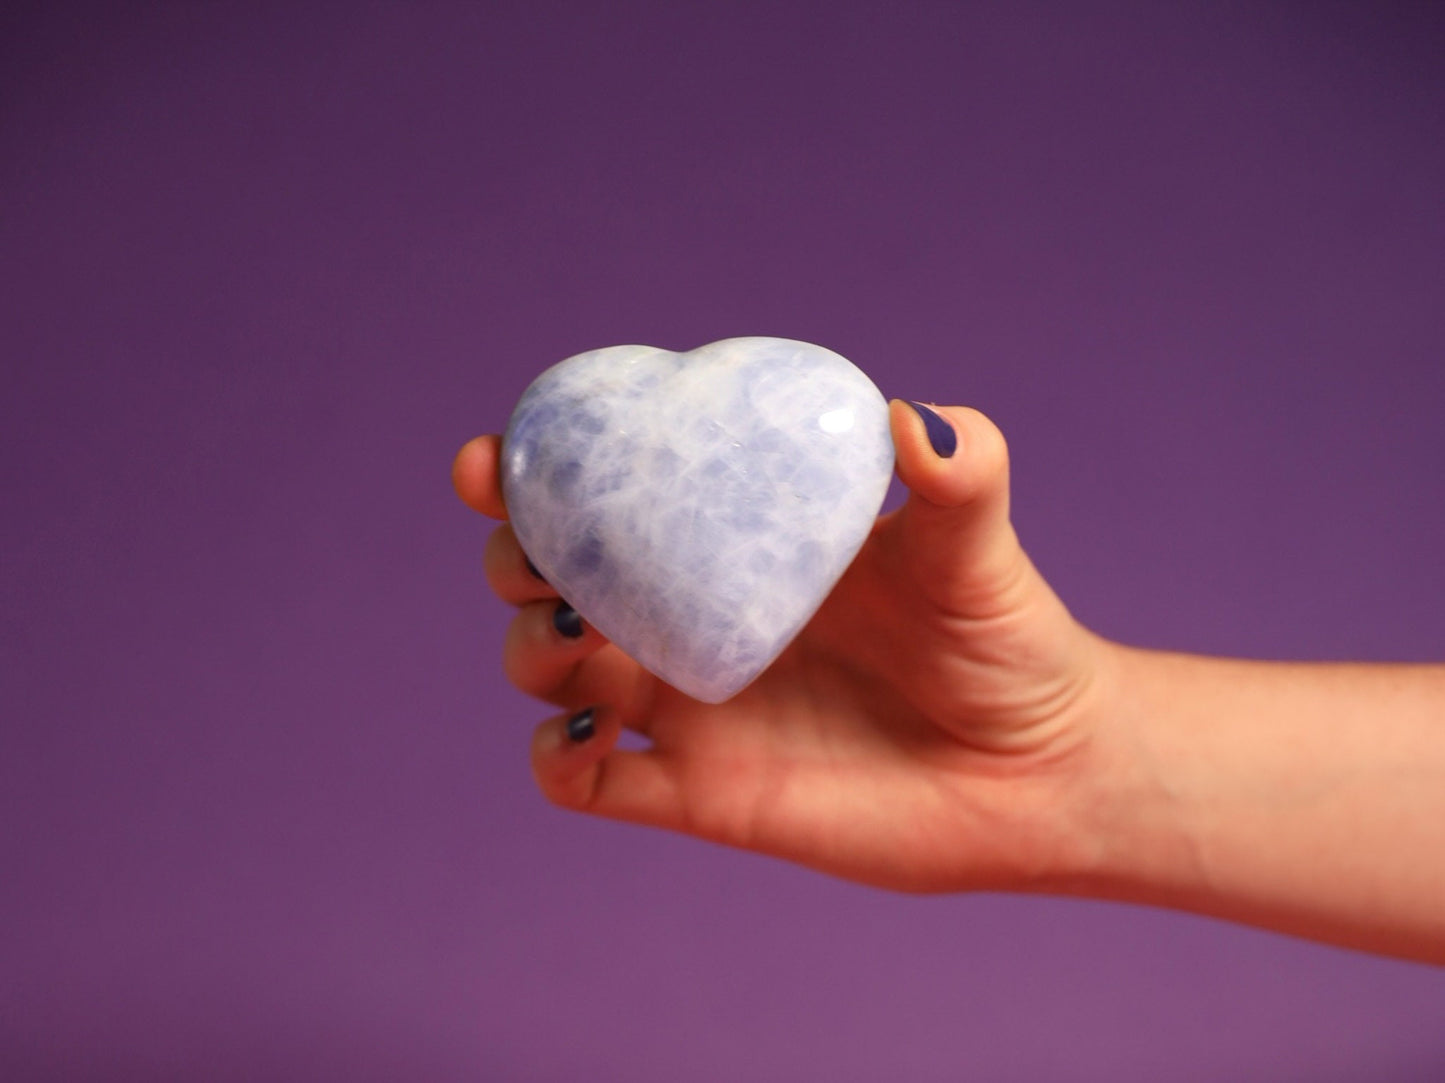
(936, 726)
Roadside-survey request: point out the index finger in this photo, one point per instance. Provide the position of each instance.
(476, 475)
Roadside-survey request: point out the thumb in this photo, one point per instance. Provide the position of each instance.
(954, 531)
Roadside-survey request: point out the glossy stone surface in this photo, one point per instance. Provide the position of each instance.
(698, 507)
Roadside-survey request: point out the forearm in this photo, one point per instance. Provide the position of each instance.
(1304, 798)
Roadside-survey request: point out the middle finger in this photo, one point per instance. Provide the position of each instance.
(510, 574)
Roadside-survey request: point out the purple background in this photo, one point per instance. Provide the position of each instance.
(265, 801)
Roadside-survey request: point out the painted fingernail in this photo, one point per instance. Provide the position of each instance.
(567, 621)
(582, 725)
(533, 569)
(940, 432)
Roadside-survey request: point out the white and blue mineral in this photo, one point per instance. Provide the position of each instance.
(698, 507)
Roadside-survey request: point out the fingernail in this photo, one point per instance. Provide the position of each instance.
(940, 432)
(533, 569)
(567, 621)
(582, 725)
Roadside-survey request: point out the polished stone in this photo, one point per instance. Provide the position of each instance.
(698, 507)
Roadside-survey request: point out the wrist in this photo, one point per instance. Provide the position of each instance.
(1129, 833)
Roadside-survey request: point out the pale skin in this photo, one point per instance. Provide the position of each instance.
(945, 724)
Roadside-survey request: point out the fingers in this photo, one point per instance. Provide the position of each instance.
(510, 574)
(476, 476)
(546, 644)
(955, 527)
(550, 651)
(578, 766)
(553, 654)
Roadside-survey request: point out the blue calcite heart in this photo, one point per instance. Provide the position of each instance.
(698, 507)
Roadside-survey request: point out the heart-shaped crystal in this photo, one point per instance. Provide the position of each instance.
(698, 507)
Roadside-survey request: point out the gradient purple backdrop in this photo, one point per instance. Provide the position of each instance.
(264, 793)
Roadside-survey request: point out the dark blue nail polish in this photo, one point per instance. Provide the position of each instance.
(533, 569)
(582, 725)
(940, 432)
(567, 621)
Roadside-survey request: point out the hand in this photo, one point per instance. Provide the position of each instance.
(935, 726)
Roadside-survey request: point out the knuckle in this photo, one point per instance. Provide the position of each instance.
(496, 555)
(522, 650)
(506, 570)
(535, 662)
